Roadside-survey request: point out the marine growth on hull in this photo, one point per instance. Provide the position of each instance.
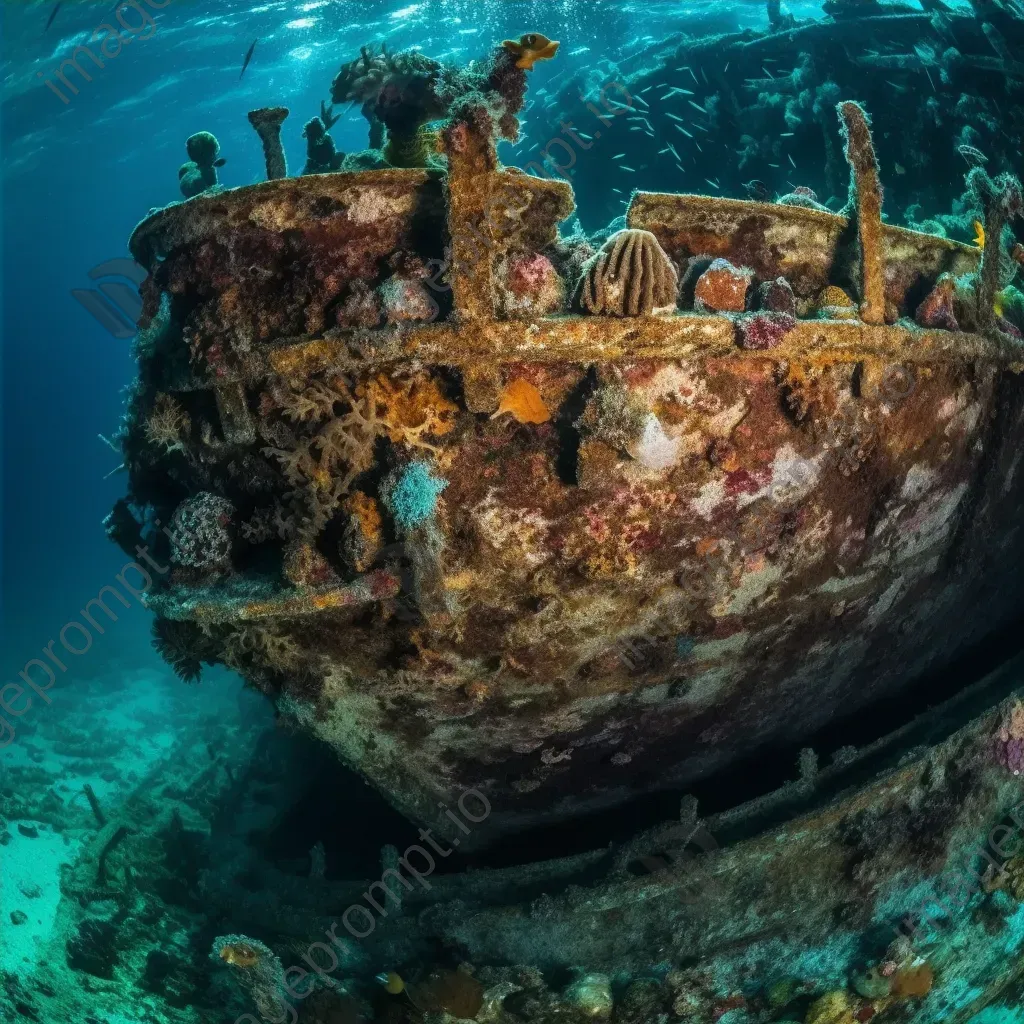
(557, 526)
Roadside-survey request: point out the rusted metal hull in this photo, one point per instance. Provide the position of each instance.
(676, 551)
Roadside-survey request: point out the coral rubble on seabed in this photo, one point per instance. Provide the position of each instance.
(905, 912)
(102, 915)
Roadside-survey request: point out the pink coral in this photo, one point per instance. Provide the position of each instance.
(530, 284)
(1009, 739)
(765, 330)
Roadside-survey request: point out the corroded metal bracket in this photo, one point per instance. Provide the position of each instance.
(486, 208)
(244, 602)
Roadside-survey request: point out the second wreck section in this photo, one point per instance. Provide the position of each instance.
(482, 507)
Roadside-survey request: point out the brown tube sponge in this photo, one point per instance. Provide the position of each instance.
(630, 276)
(267, 121)
(866, 205)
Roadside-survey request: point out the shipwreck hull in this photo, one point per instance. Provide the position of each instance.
(563, 560)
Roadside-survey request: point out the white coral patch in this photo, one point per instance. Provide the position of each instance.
(711, 495)
(793, 476)
(754, 588)
(655, 449)
(367, 206)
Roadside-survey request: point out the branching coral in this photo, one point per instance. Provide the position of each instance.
(264, 645)
(345, 444)
(404, 91)
(631, 276)
(312, 404)
(323, 466)
(167, 424)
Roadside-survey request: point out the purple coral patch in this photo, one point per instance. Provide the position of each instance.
(764, 331)
(1009, 740)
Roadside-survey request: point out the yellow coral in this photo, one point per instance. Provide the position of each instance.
(913, 982)
(832, 1008)
(979, 234)
(366, 511)
(1013, 878)
(240, 954)
(833, 295)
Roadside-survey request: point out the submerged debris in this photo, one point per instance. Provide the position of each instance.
(267, 122)
(200, 173)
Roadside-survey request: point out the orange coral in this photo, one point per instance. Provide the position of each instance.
(523, 401)
(365, 510)
(365, 531)
(411, 408)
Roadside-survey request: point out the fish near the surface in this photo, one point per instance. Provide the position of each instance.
(530, 49)
(53, 14)
(248, 57)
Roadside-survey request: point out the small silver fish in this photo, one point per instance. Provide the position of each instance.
(248, 57)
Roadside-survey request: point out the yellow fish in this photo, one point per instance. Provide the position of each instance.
(979, 234)
(530, 49)
(393, 983)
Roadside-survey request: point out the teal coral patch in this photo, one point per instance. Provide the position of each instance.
(412, 498)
